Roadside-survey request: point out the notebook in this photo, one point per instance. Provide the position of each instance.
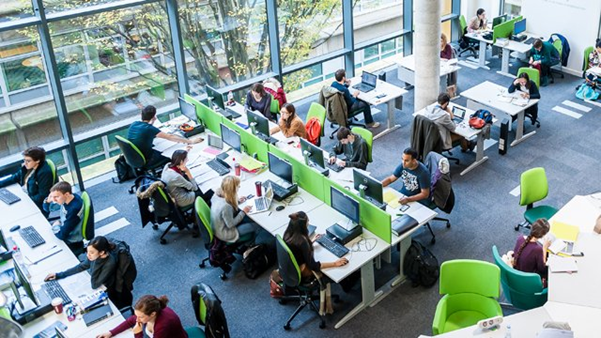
(403, 224)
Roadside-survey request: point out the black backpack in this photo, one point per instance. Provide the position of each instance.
(257, 260)
(420, 266)
(124, 171)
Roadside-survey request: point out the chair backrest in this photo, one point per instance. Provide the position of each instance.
(533, 74)
(557, 44)
(162, 202)
(368, 137)
(533, 186)
(202, 214)
(470, 276)
(587, 51)
(275, 105)
(53, 170)
(318, 111)
(462, 24)
(524, 290)
(208, 311)
(289, 269)
(133, 155)
(87, 225)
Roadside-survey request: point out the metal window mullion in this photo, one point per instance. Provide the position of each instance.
(274, 39)
(349, 38)
(408, 27)
(178, 47)
(455, 26)
(57, 90)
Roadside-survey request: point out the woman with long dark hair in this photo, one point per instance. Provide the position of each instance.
(529, 256)
(528, 90)
(290, 124)
(180, 182)
(259, 100)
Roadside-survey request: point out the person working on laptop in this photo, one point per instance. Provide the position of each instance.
(229, 221)
(257, 99)
(290, 124)
(528, 255)
(35, 176)
(354, 148)
(142, 134)
(441, 114)
(352, 102)
(69, 227)
(528, 90)
(478, 22)
(180, 182)
(415, 177)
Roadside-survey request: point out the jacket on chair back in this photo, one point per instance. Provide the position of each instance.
(333, 100)
(425, 136)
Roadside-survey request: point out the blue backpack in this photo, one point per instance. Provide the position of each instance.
(484, 115)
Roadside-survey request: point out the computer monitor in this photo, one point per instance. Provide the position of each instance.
(519, 27)
(499, 20)
(344, 204)
(215, 96)
(258, 122)
(279, 167)
(3, 242)
(188, 109)
(231, 138)
(371, 186)
(313, 153)
(20, 274)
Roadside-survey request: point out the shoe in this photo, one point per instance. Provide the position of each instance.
(374, 125)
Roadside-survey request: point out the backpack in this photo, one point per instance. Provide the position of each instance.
(126, 266)
(420, 266)
(257, 259)
(483, 114)
(124, 171)
(313, 128)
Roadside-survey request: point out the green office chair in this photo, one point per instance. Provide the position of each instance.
(533, 74)
(206, 304)
(368, 137)
(166, 210)
(534, 188)
(87, 224)
(587, 51)
(53, 170)
(469, 288)
(524, 290)
(470, 42)
(291, 275)
(134, 157)
(557, 67)
(319, 112)
(275, 107)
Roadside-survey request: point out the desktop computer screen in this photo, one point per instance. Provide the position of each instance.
(215, 96)
(188, 110)
(373, 188)
(499, 20)
(258, 122)
(344, 204)
(280, 167)
(315, 154)
(519, 27)
(25, 283)
(231, 138)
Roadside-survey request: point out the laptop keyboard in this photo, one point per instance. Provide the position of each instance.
(218, 167)
(334, 166)
(31, 236)
(363, 87)
(8, 197)
(54, 290)
(332, 246)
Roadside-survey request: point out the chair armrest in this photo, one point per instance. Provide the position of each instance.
(544, 292)
(440, 316)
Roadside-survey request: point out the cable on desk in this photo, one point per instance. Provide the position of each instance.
(364, 245)
(289, 202)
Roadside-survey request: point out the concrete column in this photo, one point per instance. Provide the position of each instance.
(426, 48)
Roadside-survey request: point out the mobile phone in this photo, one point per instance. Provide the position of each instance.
(404, 207)
(250, 196)
(578, 254)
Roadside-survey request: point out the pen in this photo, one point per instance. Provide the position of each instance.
(270, 213)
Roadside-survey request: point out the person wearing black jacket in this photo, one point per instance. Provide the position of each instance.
(528, 90)
(354, 148)
(35, 176)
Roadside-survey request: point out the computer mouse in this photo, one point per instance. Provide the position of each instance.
(15, 228)
(279, 208)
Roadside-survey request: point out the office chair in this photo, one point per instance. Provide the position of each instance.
(369, 139)
(87, 225)
(208, 313)
(291, 275)
(557, 66)
(523, 290)
(275, 107)
(165, 209)
(135, 158)
(442, 195)
(319, 112)
(350, 118)
(587, 51)
(469, 44)
(9, 328)
(53, 170)
(534, 188)
(470, 289)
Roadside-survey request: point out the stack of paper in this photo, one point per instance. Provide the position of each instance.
(250, 164)
(561, 264)
(391, 199)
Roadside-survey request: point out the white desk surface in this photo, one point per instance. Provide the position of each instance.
(580, 211)
(583, 320)
(446, 67)
(462, 128)
(514, 46)
(25, 207)
(487, 93)
(478, 35)
(391, 91)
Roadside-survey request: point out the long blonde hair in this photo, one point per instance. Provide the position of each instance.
(229, 190)
(444, 41)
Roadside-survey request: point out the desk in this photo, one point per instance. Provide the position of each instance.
(406, 70)
(25, 207)
(487, 94)
(382, 88)
(478, 35)
(508, 46)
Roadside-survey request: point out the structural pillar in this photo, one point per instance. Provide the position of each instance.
(426, 48)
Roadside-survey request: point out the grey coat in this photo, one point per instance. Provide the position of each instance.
(179, 187)
(223, 220)
(443, 122)
(333, 100)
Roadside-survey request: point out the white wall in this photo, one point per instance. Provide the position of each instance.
(469, 8)
(577, 20)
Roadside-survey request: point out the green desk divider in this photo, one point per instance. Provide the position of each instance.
(504, 30)
(208, 116)
(251, 143)
(307, 178)
(372, 218)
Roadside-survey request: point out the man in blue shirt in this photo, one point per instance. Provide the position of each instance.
(415, 178)
(352, 102)
(69, 228)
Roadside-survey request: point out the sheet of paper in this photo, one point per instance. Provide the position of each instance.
(391, 199)
(562, 264)
(212, 151)
(565, 231)
(251, 164)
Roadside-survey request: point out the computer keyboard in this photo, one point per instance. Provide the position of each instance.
(529, 41)
(8, 197)
(232, 113)
(31, 236)
(332, 246)
(216, 165)
(334, 166)
(363, 88)
(54, 290)
(261, 203)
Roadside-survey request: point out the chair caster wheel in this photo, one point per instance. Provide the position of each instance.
(282, 302)
(163, 241)
(202, 265)
(331, 137)
(287, 327)
(223, 277)
(516, 228)
(155, 227)
(448, 225)
(433, 241)
(322, 325)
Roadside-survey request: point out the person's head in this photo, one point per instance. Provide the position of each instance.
(481, 13)
(179, 158)
(258, 91)
(229, 190)
(409, 158)
(99, 247)
(443, 41)
(288, 112)
(539, 228)
(598, 46)
(538, 44)
(149, 113)
(345, 136)
(340, 75)
(298, 229)
(148, 307)
(524, 79)
(61, 192)
(33, 157)
(443, 100)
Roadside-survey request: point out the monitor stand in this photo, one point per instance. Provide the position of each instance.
(31, 312)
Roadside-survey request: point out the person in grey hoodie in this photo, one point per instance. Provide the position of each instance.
(180, 182)
(441, 114)
(229, 222)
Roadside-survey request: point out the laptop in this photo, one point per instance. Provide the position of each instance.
(368, 82)
(262, 204)
(458, 114)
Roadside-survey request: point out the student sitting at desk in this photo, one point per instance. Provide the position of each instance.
(152, 318)
(35, 176)
(594, 57)
(180, 182)
(441, 114)
(142, 134)
(528, 90)
(415, 177)
(290, 124)
(354, 148)
(352, 102)
(228, 221)
(69, 227)
(478, 22)
(257, 99)
(543, 55)
(528, 255)
(446, 53)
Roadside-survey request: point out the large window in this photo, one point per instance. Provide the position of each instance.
(512, 7)
(310, 80)
(14, 9)
(373, 19)
(63, 5)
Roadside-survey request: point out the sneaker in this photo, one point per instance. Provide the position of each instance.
(374, 125)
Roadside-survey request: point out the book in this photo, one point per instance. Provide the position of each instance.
(403, 224)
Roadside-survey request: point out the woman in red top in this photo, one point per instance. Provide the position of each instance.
(152, 318)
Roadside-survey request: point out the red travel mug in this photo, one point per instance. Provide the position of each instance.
(237, 168)
(258, 190)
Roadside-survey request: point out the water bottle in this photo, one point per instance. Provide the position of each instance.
(508, 332)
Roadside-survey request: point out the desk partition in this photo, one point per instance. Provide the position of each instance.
(504, 30)
(306, 177)
(208, 116)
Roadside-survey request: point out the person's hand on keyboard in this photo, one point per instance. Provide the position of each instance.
(316, 237)
(51, 276)
(247, 209)
(332, 159)
(341, 163)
